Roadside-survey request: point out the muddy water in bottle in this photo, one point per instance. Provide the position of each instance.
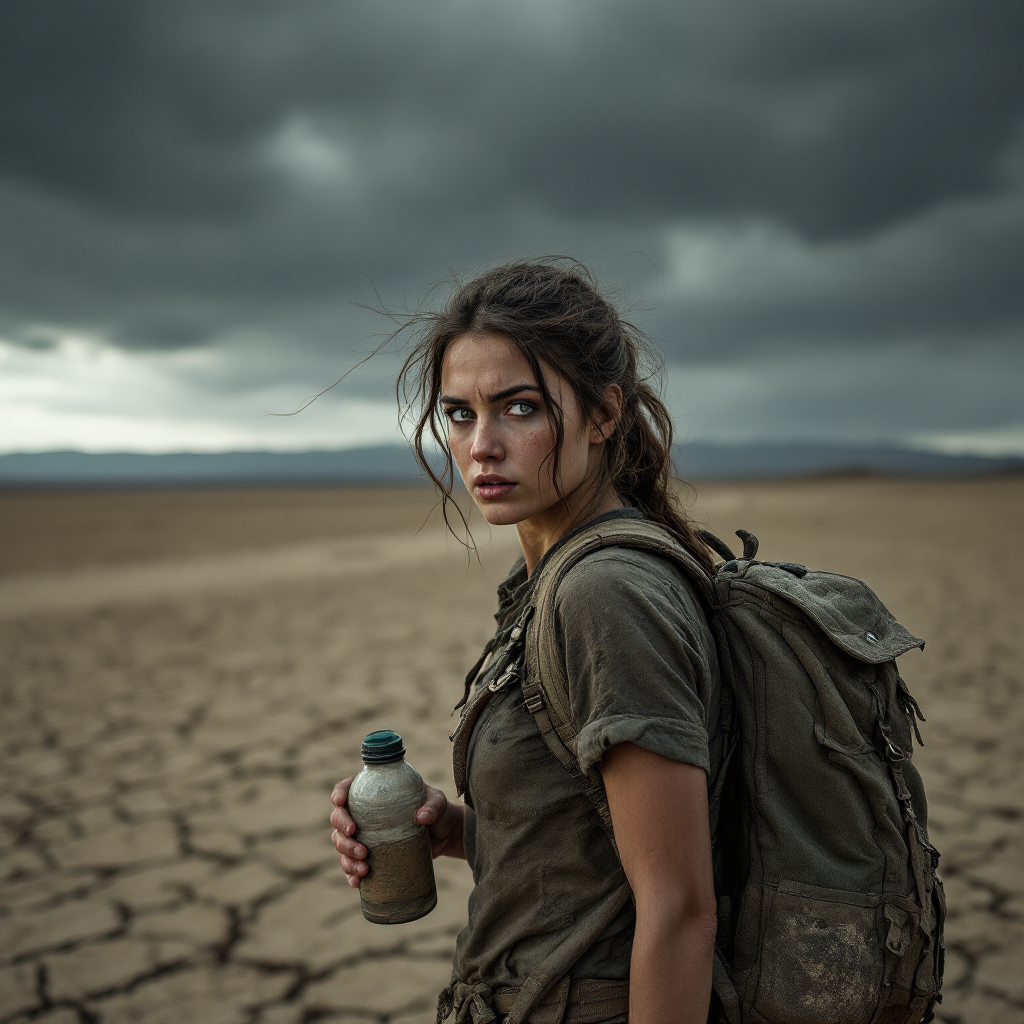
(382, 801)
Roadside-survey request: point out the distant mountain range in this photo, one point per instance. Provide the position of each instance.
(759, 461)
(384, 464)
(395, 464)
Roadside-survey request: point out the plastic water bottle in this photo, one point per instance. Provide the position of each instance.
(382, 800)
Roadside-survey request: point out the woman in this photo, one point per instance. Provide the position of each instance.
(533, 385)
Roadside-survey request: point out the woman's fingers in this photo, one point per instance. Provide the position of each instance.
(432, 808)
(351, 867)
(348, 847)
(353, 853)
(340, 818)
(342, 821)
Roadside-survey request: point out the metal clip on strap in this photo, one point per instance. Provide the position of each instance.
(503, 680)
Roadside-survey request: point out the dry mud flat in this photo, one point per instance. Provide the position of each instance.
(185, 676)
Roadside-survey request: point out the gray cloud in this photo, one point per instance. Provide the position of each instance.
(836, 119)
(798, 176)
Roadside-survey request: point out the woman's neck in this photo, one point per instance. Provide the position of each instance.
(539, 533)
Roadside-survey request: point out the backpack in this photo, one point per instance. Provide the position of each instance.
(830, 909)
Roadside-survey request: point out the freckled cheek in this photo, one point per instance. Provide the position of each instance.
(528, 449)
(461, 444)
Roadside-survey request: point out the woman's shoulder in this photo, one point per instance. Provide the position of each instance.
(618, 580)
(623, 568)
(639, 658)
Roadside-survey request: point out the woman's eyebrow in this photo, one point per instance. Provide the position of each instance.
(516, 389)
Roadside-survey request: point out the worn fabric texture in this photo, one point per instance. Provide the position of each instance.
(829, 904)
(641, 666)
(837, 911)
(822, 790)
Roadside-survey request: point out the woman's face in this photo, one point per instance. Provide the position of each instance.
(500, 434)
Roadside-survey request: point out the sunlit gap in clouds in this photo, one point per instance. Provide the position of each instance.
(77, 393)
(74, 392)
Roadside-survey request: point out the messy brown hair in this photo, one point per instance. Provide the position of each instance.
(552, 311)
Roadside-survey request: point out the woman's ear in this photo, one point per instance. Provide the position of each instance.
(607, 415)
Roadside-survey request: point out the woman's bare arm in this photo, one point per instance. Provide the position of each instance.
(659, 812)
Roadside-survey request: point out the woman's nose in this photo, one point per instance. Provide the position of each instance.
(486, 445)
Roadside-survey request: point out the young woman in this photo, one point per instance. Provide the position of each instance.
(535, 388)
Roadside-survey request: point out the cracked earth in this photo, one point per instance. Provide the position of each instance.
(186, 675)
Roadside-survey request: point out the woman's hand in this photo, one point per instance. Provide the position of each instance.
(444, 823)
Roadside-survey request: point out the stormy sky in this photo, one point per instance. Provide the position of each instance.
(815, 209)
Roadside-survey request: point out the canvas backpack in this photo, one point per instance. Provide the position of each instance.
(830, 908)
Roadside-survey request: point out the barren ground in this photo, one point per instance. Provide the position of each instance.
(186, 674)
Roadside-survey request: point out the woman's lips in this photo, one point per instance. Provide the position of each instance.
(495, 489)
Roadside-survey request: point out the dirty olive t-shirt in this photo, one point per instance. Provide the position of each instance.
(641, 667)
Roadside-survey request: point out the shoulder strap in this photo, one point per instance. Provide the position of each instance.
(545, 687)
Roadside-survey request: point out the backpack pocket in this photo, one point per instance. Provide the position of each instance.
(822, 956)
(914, 957)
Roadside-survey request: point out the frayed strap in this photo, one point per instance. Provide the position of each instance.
(444, 1004)
(471, 1003)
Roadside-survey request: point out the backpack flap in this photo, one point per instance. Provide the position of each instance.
(846, 609)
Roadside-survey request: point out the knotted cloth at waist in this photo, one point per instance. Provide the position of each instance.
(583, 1001)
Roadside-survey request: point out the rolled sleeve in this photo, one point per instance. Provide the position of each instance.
(638, 657)
(677, 740)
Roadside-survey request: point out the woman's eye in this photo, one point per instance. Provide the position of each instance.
(521, 408)
(460, 415)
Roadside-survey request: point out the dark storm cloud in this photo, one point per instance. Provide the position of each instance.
(836, 118)
(176, 172)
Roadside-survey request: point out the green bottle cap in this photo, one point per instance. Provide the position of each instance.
(382, 746)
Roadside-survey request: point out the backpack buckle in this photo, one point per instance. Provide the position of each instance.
(534, 703)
